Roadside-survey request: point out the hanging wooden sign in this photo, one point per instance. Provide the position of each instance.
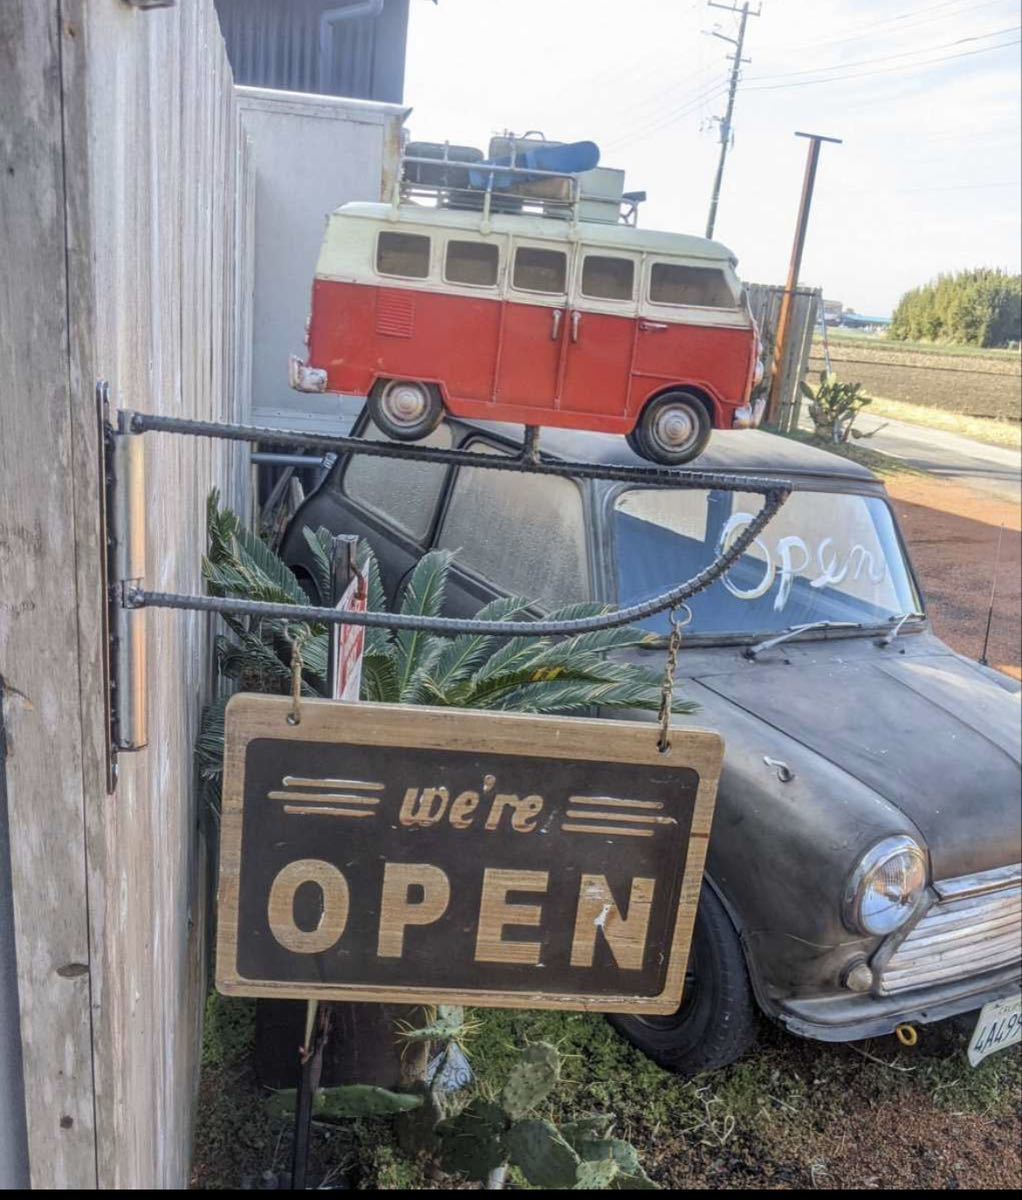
(415, 855)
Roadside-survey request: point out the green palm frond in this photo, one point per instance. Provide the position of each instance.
(319, 544)
(270, 578)
(423, 597)
(463, 655)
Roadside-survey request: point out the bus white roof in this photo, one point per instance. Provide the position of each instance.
(620, 236)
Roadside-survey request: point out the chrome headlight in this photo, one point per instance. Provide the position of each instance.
(885, 887)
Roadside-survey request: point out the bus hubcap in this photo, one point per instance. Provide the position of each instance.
(674, 428)
(405, 403)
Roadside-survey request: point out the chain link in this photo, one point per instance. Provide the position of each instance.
(670, 669)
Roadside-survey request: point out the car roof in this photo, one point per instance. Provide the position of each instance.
(747, 451)
(604, 233)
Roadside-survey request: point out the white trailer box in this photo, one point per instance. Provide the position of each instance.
(310, 154)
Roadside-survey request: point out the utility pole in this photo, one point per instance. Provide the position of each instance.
(725, 121)
(784, 318)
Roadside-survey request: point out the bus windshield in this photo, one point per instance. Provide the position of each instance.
(826, 556)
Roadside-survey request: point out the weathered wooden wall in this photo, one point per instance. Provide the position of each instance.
(121, 162)
(765, 303)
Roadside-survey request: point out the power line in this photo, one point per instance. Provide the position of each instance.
(641, 132)
(926, 19)
(865, 62)
(884, 70)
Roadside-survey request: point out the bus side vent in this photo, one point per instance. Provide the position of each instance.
(395, 314)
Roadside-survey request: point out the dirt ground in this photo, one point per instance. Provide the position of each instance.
(978, 384)
(952, 534)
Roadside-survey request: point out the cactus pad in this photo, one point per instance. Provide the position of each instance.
(542, 1155)
(472, 1143)
(533, 1079)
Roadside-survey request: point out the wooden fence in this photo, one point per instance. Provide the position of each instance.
(765, 303)
(123, 166)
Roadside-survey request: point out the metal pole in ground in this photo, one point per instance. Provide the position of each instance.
(784, 320)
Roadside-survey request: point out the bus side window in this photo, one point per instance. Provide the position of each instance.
(703, 287)
(539, 270)
(403, 254)
(473, 263)
(606, 278)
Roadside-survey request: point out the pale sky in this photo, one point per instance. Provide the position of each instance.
(925, 95)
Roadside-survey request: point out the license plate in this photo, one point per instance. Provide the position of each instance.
(999, 1026)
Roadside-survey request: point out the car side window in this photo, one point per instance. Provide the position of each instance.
(701, 287)
(605, 278)
(402, 254)
(538, 270)
(472, 263)
(524, 535)
(404, 494)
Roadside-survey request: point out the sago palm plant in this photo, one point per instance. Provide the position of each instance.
(525, 674)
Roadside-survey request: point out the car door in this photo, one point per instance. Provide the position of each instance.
(513, 534)
(391, 504)
(600, 333)
(532, 330)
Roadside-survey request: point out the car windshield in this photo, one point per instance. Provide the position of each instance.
(826, 556)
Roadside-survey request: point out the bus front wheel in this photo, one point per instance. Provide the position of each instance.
(674, 428)
(405, 409)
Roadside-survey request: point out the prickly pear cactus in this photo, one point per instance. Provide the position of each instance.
(472, 1143)
(532, 1080)
(352, 1100)
(596, 1176)
(542, 1155)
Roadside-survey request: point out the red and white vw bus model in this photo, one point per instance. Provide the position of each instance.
(533, 320)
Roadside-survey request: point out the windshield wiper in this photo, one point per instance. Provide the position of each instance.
(753, 652)
(889, 637)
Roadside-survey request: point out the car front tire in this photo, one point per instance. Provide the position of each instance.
(673, 429)
(718, 1019)
(405, 409)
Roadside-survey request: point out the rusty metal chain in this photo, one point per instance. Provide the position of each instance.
(670, 669)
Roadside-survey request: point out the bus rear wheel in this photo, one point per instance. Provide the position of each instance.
(674, 428)
(405, 409)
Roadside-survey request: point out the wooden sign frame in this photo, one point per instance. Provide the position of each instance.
(256, 724)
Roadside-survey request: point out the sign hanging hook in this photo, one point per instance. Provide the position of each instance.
(294, 717)
(670, 668)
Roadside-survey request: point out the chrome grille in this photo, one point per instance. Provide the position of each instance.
(961, 935)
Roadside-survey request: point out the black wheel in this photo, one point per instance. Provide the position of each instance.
(405, 409)
(718, 1020)
(673, 429)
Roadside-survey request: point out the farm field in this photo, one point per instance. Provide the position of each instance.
(964, 380)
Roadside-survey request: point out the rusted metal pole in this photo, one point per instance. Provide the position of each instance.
(784, 320)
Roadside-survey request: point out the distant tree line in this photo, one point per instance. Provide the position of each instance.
(975, 308)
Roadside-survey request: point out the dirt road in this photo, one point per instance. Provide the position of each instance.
(952, 533)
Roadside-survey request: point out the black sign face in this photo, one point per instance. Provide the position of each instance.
(385, 852)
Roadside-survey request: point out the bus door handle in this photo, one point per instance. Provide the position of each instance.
(576, 321)
(652, 326)
(555, 331)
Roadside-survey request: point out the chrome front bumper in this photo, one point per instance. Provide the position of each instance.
(963, 950)
(749, 415)
(304, 378)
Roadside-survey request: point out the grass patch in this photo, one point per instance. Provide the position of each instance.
(770, 1120)
(990, 430)
(857, 451)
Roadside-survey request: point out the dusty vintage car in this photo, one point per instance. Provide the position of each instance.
(864, 866)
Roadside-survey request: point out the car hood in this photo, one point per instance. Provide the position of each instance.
(933, 735)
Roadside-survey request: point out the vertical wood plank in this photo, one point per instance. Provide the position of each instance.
(39, 656)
